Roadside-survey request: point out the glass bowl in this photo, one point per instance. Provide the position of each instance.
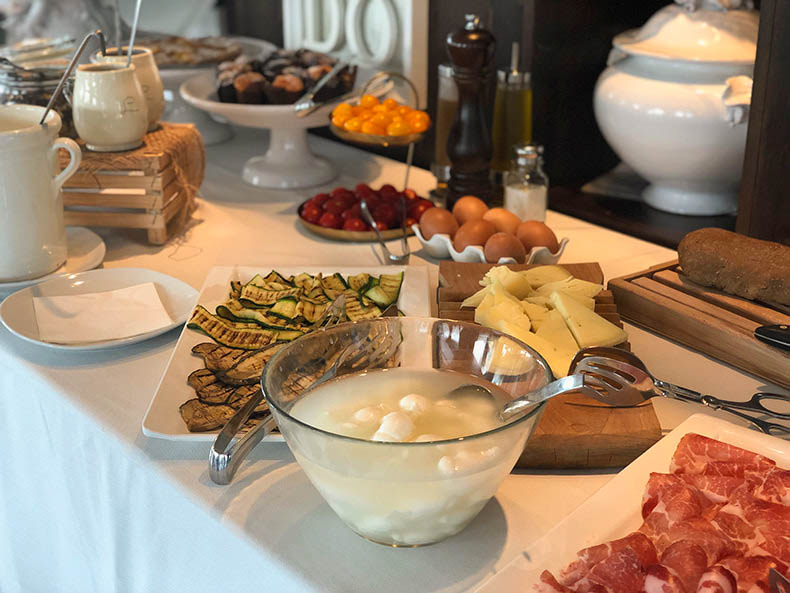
(406, 493)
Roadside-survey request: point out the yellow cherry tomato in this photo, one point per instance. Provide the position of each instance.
(366, 114)
(340, 119)
(398, 128)
(368, 101)
(381, 119)
(368, 127)
(419, 116)
(418, 126)
(353, 125)
(343, 108)
(396, 118)
(390, 104)
(404, 110)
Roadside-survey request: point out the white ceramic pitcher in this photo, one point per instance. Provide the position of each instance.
(32, 234)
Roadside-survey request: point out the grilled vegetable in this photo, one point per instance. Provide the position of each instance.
(333, 286)
(387, 290)
(200, 417)
(358, 281)
(288, 308)
(355, 310)
(249, 336)
(208, 388)
(261, 296)
(236, 311)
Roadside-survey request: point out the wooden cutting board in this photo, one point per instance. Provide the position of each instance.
(721, 325)
(575, 431)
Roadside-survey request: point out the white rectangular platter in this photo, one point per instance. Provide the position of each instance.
(163, 420)
(615, 510)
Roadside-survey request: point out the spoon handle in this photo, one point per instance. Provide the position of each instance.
(558, 387)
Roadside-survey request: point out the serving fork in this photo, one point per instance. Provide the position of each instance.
(620, 378)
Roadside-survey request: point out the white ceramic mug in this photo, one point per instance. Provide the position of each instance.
(110, 112)
(32, 235)
(147, 74)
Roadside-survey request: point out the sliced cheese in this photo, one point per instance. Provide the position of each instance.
(589, 328)
(541, 275)
(536, 313)
(476, 298)
(491, 311)
(543, 301)
(514, 282)
(559, 359)
(572, 286)
(555, 331)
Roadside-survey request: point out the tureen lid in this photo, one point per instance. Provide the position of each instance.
(705, 35)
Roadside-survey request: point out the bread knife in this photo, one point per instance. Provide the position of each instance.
(775, 335)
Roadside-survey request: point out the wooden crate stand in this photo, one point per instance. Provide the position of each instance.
(151, 188)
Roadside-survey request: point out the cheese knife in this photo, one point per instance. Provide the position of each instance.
(774, 335)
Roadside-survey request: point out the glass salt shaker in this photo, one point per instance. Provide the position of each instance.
(526, 185)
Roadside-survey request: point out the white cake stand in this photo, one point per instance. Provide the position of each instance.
(179, 111)
(288, 163)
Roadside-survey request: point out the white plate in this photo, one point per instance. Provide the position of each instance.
(18, 315)
(615, 510)
(163, 420)
(85, 251)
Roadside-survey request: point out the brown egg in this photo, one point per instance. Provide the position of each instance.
(437, 221)
(504, 245)
(533, 233)
(504, 220)
(474, 232)
(469, 208)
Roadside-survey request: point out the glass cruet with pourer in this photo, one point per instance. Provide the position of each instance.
(526, 185)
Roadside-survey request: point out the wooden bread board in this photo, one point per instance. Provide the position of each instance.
(575, 431)
(718, 324)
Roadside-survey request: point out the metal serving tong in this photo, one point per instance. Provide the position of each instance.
(227, 454)
(620, 378)
(389, 257)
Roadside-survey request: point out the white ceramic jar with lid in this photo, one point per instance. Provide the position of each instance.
(673, 103)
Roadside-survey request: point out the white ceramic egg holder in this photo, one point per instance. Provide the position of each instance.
(441, 247)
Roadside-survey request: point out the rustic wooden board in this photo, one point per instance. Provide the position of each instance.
(575, 431)
(705, 319)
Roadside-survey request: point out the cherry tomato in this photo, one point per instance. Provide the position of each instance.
(390, 104)
(382, 226)
(360, 187)
(355, 224)
(337, 205)
(353, 124)
(330, 220)
(373, 202)
(396, 128)
(340, 192)
(354, 212)
(385, 213)
(311, 213)
(410, 221)
(319, 199)
(387, 187)
(410, 194)
(417, 207)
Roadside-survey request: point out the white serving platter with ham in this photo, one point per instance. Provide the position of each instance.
(615, 510)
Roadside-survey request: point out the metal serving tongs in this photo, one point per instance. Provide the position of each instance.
(227, 452)
(306, 104)
(389, 257)
(626, 382)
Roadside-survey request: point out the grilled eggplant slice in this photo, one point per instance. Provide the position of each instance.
(219, 358)
(200, 417)
(208, 388)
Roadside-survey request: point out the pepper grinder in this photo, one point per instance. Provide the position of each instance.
(471, 50)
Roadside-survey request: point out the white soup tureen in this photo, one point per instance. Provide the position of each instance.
(673, 103)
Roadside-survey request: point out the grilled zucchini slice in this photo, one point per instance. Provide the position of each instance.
(333, 286)
(235, 311)
(358, 281)
(287, 308)
(249, 336)
(355, 310)
(387, 290)
(255, 295)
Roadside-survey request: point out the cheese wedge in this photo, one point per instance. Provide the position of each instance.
(514, 282)
(536, 313)
(555, 331)
(490, 313)
(587, 327)
(541, 275)
(559, 359)
(572, 286)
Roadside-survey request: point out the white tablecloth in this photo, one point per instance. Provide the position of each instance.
(87, 503)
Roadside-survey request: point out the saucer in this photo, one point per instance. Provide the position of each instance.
(85, 251)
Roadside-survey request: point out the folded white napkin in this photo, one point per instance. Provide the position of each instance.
(100, 316)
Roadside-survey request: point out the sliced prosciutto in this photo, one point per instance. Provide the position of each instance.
(716, 524)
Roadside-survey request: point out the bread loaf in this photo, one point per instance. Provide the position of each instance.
(737, 264)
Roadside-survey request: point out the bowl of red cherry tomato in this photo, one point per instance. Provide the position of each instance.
(337, 215)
